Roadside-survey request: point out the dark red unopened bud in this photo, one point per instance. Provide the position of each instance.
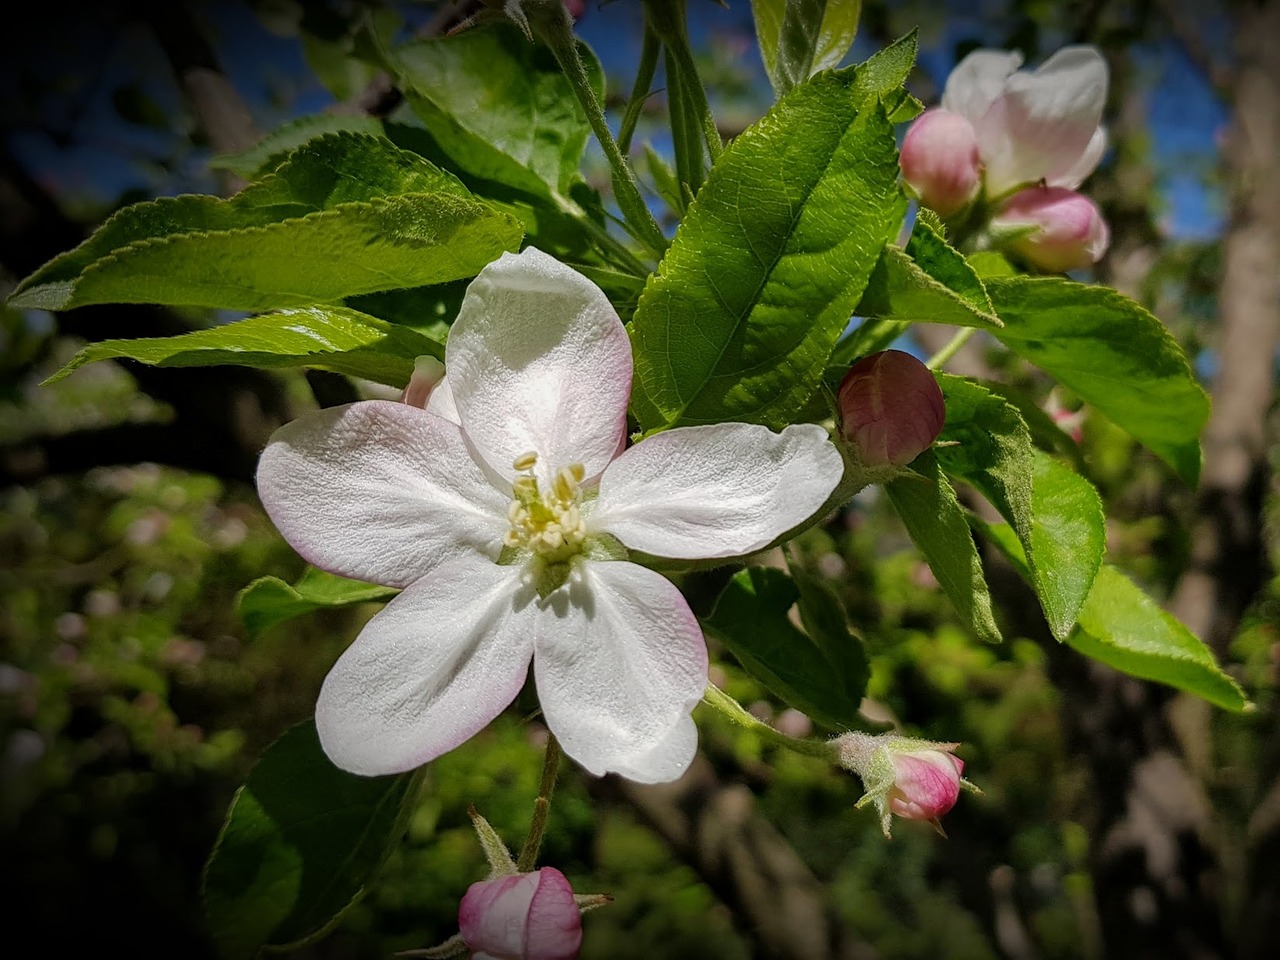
(891, 408)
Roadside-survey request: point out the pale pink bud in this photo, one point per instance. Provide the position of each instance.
(891, 408)
(909, 778)
(926, 784)
(939, 160)
(1067, 230)
(427, 373)
(523, 916)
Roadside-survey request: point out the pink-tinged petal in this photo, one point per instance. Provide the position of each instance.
(1078, 172)
(539, 361)
(620, 664)
(491, 916)
(430, 670)
(939, 160)
(720, 490)
(1067, 229)
(977, 80)
(379, 491)
(526, 916)
(441, 401)
(428, 373)
(926, 784)
(1045, 122)
(553, 930)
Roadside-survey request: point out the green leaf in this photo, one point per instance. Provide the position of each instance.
(428, 310)
(331, 338)
(800, 37)
(992, 450)
(1124, 628)
(938, 525)
(499, 106)
(827, 624)
(869, 336)
(750, 618)
(1045, 431)
(300, 844)
(991, 263)
(269, 152)
(885, 71)
(345, 214)
(1115, 355)
(772, 257)
(1056, 513)
(1068, 540)
(269, 601)
(929, 282)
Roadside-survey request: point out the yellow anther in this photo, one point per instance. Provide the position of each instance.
(549, 524)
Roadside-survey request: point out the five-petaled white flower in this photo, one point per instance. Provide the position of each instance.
(505, 510)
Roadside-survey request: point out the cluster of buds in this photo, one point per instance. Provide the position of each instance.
(904, 777)
(891, 411)
(1017, 144)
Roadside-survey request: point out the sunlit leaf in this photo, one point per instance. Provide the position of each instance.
(1124, 628)
(270, 601)
(330, 338)
(345, 214)
(927, 282)
(1115, 355)
(800, 37)
(765, 270)
(938, 525)
(499, 106)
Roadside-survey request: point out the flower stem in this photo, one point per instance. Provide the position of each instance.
(556, 32)
(950, 349)
(640, 91)
(731, 708)
(607, 242)
(541, 806)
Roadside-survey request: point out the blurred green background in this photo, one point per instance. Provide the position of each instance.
(1118, 820)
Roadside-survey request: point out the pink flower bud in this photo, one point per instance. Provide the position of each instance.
(926, 784)
(427, 373)
(1067, 230)
(940, 163)
(912, 779)
(523, 916)
(891, 408)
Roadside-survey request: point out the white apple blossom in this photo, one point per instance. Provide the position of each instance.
(505, 510)
(1032, 125)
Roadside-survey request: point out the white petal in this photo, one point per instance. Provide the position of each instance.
(977, 80)
(429, 671)
(1087, 163)
(441, 401)
(720, 490)
(1045, 122)
(539, 361)
(668, 760)
(620, 664)
(379, 491)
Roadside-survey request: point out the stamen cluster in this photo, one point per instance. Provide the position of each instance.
(550, 525)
